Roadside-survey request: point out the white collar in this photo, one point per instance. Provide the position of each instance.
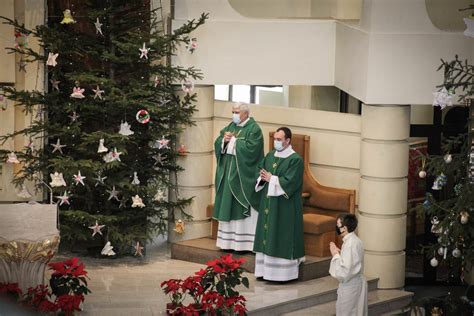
(285, 153)
(348, 236)
(244, 122)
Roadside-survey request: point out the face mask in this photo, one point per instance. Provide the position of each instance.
(338, 230)
(236, 118)
(278, 144)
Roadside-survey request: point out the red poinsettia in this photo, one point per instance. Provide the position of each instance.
(70, 303)
(212, 289)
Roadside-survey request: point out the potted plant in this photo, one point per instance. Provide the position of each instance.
(212, 290)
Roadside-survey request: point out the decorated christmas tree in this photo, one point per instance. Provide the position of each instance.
(108, 121)
(450, 204)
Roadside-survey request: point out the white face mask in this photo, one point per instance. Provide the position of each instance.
(278, 145)
(236, 118)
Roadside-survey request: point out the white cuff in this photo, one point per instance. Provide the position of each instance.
(274, 187)
(257, 187)
(231, 146)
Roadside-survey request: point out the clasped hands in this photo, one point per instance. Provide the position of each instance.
(333, 248)
(228, 136)
(265, 175)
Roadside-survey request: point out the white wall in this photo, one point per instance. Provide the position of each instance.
(389, 57)
(335, 138)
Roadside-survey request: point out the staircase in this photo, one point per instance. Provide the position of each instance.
(313, 294)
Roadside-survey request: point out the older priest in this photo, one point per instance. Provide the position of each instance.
(279, 244)
(238, 149)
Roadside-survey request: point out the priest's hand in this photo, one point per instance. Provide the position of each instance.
(265, 175)
(333, 248)
(227, 136)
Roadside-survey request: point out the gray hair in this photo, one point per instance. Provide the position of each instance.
(244, 107)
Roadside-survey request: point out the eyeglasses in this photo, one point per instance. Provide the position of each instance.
(235, 112)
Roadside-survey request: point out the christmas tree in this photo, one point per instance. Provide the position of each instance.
(108, 122)
(450, 204)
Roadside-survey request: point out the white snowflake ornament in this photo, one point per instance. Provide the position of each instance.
(138, 249)
(58, 146)
(98, 27)
(163, 143)
(98, 93)
(113, 156)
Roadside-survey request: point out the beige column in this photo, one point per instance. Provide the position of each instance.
(196, 180)
(383, 191)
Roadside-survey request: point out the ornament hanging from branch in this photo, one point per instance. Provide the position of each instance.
(435, 229)
(74, 116)
(138, 249)
(443, 98)
(67, 19)
(113, 194)
(179, 226)
(12, 158)
(4, 102)
(78, 178)
(24, 193)
(187, 86)
(57, 180)
(108, 250)
(58, 146)
(191, 46)
(22, 65)
(98, 93)
(137, 201)
(98, 27)
(102, 148)
(52, 59)
(55, 84)
(125, 129)
(142, 116)
(100, 179)
(163, 143)
(63, 198)
(157, 81)
(448, 158)
(77, 93)
(464, 217)
(159, 196)
(422, 173)
(135, 180)
(96, 229)
(144, 51)
(113, 156)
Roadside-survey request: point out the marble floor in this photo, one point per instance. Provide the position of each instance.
(131, 286)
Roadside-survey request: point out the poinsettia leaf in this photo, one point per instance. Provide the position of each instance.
(245, 282)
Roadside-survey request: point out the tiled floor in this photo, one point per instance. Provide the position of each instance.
(131, 286)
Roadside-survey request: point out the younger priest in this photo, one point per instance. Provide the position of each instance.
(347, 266)
(279, 243)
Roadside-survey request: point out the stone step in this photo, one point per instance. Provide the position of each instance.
(276, 299)
(380, 302)
(202, 250)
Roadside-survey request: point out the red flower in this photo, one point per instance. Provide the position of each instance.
(11, 288)
(240, 309)
(201, 272)
(47, 307)
(69, 303)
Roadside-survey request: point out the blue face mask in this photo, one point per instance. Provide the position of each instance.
(278, 145)
(236, 118)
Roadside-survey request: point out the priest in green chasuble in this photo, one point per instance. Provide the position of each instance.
(238, 150)
(279, 244)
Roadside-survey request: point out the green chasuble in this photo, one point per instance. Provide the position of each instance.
(235, 174)
(280, 218)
